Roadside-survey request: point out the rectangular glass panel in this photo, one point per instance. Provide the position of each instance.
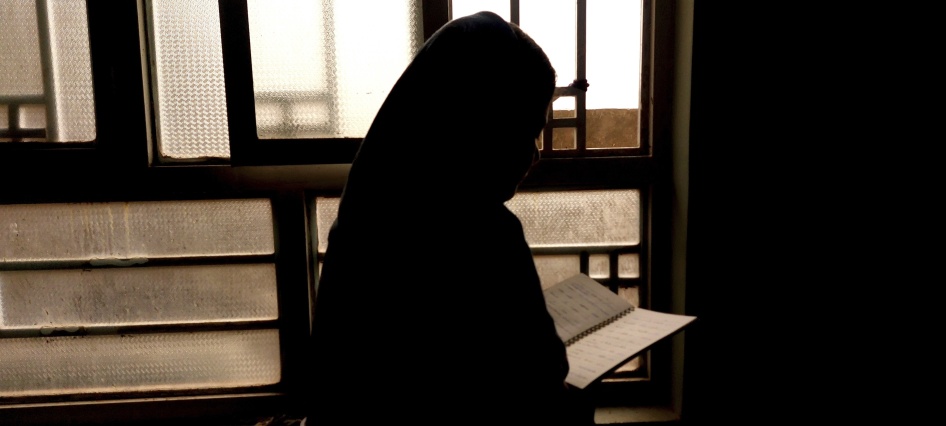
(105, 232)
(579, 218)
(47, 66)
(563, 138)
(613, 97)
(68, 299)
(631, 294)
(460, 8)
(599, 266)
(143, 362)
(553, 25)
(322, 69)
(326, 209)
(629, 265)
(554, 268)
(190, 98)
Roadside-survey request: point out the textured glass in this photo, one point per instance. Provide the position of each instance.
(107, 232)
(69, 95)
(190, 98)
(322, 69)
(21, 72)
(462, 8)
(32, 117)
(59, 299)
(632, 295)
(599, 266)
(555, 268)
(142, 362)
(552, 24)
(326, 209)
(72, 71)
(579, 218)
(629, 266)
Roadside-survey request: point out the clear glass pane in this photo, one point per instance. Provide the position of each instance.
(613, 97)
(326, 209)
(105, 233)
(54, 39)
(629, 265)
(579, 218)
(552, 24)
(190, 98)
(563, 107)
(322, 69)
(599, 266)
(555, 268)
(62, 299)
(462, 8)
(143, 362)
(563, 138)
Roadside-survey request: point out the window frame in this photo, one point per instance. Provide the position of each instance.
(122, 165)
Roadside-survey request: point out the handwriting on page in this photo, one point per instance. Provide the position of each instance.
(595, 354)
(576, 306)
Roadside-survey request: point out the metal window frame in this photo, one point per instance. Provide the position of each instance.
(118, 166)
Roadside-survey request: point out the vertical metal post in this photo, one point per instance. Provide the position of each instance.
(514, 11)
(49, 77)
(580, 131)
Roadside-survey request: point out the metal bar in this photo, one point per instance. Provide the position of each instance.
(49, 77)
(580, 44)
(514, 11)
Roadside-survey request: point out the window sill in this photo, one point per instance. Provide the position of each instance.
(635, 415)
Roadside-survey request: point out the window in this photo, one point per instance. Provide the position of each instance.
(177, 164)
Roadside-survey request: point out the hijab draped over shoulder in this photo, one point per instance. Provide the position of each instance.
(429, 308)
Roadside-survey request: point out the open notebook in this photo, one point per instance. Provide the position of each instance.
(601, 330)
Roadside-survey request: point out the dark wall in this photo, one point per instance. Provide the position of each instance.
(747, 357)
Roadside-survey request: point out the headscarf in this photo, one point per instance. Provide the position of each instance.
(428, 293)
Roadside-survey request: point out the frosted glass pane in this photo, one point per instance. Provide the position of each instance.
(145, 362)
(72, 72)
(190, 98)
(555, 268)
(59, 299)
(21, 72)
(69, 96)
(552, 24)
(462, 8)
(104, 232)
(629, 266)
(32, 117)
(579, 218)
(599, 266)
(631, 294)
(326, 209)
(322, 69)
